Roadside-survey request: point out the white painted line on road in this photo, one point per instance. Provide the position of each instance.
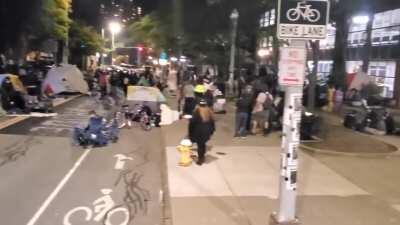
(58, 188)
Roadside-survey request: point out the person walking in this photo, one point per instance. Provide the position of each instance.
(243, 108)
(189, 98)
(201, 128)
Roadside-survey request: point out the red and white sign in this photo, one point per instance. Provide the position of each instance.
(292, 66)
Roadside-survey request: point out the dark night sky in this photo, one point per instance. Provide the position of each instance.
(88, 10)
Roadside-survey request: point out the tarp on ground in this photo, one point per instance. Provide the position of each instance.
(16, 82)
(66, 78)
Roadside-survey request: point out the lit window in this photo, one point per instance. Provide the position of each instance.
(272, 18)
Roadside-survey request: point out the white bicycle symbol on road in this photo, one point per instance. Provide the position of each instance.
(104, 209)
(304, 11)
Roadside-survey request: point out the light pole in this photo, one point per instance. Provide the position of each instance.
(115, 28)
(234, 18)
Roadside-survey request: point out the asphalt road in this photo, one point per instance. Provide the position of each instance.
(45, 180)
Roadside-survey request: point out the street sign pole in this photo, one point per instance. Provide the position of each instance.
(290, 144)
(298, 21)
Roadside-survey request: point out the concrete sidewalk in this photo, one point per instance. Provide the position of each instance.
(239, 184)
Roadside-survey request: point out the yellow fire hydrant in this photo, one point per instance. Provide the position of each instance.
(185, 150)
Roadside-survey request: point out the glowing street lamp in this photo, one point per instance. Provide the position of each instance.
(115, 28)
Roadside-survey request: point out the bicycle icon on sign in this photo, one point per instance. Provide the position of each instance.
(303, 10)
(104, 209)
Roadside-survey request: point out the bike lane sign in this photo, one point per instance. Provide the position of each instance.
(303, 19)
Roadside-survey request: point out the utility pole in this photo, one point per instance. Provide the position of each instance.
(234, 18)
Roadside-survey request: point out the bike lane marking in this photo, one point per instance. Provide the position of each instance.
(52, 196)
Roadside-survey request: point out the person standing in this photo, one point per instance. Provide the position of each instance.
(173, 81)
(338, 99)
(259, 115)
(201, 128)
(243, 108)
(189, 98)
(330, 96)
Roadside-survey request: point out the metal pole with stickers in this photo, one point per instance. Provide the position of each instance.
(298, 22)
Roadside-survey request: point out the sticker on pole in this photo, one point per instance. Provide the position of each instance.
(292, 66)
(303, 19)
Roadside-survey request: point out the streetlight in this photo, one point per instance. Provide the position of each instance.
(234, 18)
(115, 28)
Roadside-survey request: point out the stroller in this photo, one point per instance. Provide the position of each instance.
(98, 133)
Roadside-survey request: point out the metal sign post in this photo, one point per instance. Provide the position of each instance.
(291, 75)
(298, 21)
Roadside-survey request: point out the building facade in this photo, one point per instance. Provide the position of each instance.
(383, 50)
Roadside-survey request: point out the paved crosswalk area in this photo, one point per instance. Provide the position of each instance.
(75, 113)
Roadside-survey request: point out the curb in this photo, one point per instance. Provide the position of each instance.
(16, 119)
(166, 199)
(362, 155)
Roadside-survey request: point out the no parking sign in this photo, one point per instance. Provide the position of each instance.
(292, 66)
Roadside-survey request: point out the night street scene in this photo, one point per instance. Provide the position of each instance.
(199, 112)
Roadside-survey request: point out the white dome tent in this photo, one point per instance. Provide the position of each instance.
(65, 79)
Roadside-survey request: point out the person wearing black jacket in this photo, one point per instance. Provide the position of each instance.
(201, 128)
(243, 108)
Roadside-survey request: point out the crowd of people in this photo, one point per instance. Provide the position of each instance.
(259, 105)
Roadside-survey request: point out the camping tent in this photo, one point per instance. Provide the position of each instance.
(66, 78)
(150, 96)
